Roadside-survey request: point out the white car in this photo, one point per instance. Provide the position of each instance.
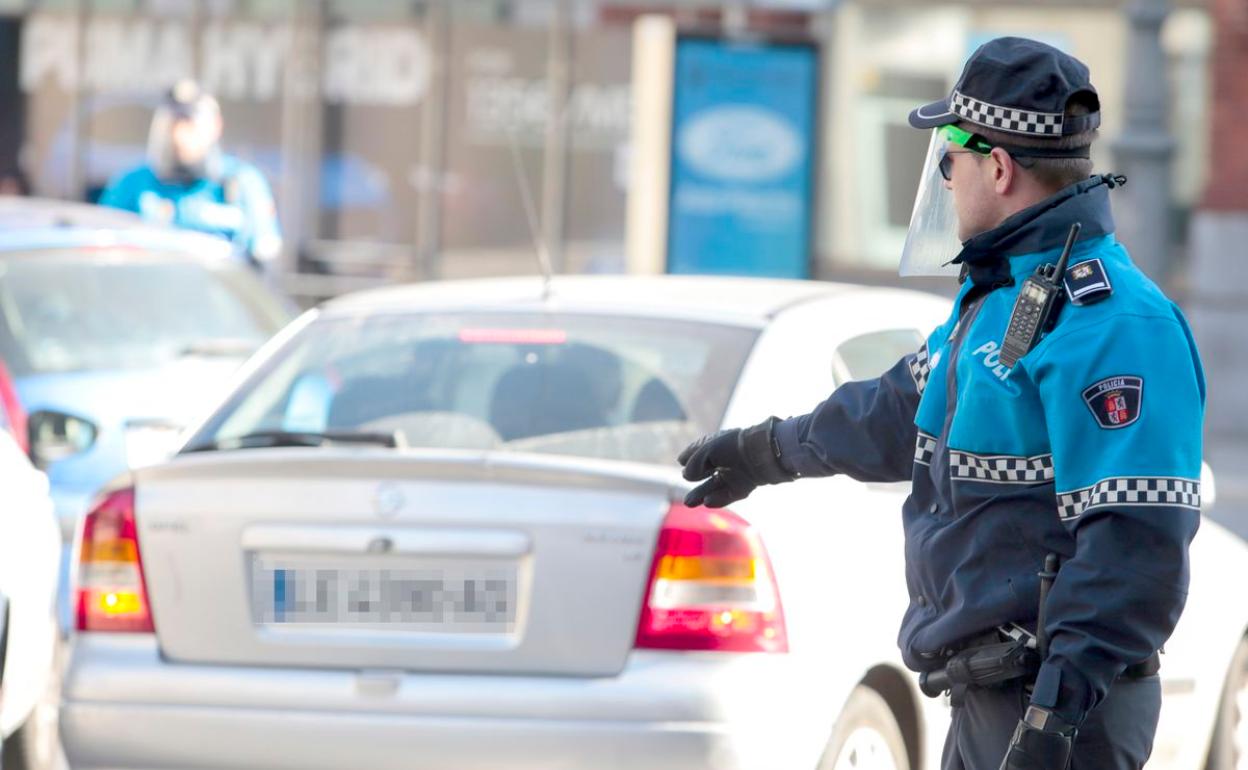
(30, 551)
(440, 526)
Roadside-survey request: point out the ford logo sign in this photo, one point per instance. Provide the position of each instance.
(739, 143)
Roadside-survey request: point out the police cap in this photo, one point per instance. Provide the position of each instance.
(1019, 86)
(187, 100)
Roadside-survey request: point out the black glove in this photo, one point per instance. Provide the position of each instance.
(1042, 741)
(736, 460)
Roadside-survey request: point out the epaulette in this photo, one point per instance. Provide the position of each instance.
(1087, 282)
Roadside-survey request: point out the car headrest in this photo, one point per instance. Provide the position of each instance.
(543, 398)
(655, 402)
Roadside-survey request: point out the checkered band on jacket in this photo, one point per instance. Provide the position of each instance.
(920, 368)
(1138, 490)
(924, 449)
(1001, 469)
(1006, 118)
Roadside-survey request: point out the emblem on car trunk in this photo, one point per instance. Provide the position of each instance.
(381, 544)
(388, 500)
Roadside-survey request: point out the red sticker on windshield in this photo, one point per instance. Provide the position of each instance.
(514, 336)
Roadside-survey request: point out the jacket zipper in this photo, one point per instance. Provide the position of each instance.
(951, 388)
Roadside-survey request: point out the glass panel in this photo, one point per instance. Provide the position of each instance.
(591, 386)
(131, 61)
(497, 104)
(870, 355)
(12, 106)
(376, 83)
(598, 125)
(63, 312)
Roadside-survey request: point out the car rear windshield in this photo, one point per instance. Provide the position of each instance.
(64, 311)
(634, 389)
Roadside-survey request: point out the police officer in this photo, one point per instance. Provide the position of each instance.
(187, 181)
(1088, 446)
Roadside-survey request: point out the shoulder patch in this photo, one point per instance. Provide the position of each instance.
(1087, 282)
(1115, 401)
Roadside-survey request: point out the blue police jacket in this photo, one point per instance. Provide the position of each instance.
(234, 202)
(1088, 447)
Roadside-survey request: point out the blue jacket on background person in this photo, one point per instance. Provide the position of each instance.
(188, 182)
(235, 204)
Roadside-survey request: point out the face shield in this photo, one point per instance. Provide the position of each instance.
(932, 240)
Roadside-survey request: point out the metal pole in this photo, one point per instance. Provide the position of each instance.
(1144, 149)
(555, 157)
(80, 115)
(197, 24)
(433, 145)
(300, 132)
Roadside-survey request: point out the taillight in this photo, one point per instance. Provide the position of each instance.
(12, 405)
(711, 587)
(111, 592)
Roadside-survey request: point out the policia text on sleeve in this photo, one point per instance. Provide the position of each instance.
(1023, 426)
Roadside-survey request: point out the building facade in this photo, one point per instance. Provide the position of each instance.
(402, 138)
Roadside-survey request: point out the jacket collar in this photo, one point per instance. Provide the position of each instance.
(985, 258)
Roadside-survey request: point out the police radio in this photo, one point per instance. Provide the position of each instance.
(1037, 306)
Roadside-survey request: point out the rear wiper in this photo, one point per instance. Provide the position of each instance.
(286, 438)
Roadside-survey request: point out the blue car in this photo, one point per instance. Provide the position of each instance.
(117, 335)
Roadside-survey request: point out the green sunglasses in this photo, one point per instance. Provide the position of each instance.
(971, 142)
(1023, 156)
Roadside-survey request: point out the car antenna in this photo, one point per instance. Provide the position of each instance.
(530, 213)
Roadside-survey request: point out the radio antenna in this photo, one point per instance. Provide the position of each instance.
(530, 213)
(1062, 261)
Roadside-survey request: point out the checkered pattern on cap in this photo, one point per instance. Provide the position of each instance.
(1136, 490)
(924, 449)
(1001, 469)
(1006, 118)
(920, 367)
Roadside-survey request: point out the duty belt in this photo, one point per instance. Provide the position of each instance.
(1139, 670)
(1002, 655)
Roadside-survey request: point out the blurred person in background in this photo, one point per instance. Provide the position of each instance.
(189, 182)
(13, 182)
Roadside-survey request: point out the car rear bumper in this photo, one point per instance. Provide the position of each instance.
(124, 707)
(109, 736)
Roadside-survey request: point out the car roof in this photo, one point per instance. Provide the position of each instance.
(733, 300)
(28, 224)
(43, 213)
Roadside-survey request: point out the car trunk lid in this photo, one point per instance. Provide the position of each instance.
(432, 560)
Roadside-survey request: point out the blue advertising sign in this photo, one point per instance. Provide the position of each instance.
(742, 167)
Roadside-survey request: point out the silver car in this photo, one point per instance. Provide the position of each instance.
(440, 527)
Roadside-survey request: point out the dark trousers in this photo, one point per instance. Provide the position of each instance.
(1117, 735)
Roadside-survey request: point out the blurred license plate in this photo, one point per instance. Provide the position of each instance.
(461, 598)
